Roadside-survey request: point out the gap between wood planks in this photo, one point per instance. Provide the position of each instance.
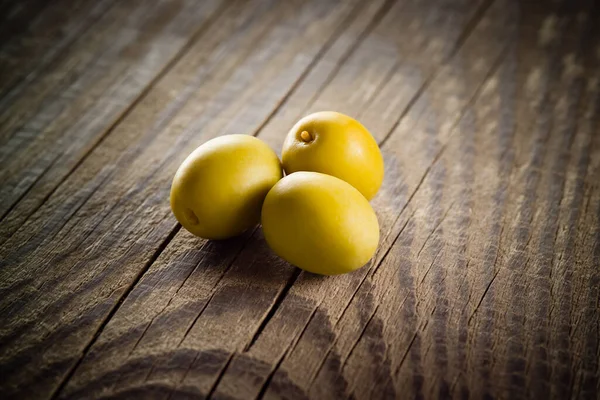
(459, 43)
(112, 312)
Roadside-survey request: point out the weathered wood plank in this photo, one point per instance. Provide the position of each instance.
(348, 313)
(258, 51)
(35, 45)
(165, 330)
(549, 97)
(486, 281)
(446, 284)
(422, 366)
(18, 16)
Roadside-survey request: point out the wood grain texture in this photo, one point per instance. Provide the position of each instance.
(486, 281)
(65, 114)
(245, 48)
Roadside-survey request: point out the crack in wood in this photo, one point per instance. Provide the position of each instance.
(273, 309)
(434, 230)
(219, 377)
(113, 310)
(360, 336)
(267, 382)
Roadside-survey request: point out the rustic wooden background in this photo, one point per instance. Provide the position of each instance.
(486, 283)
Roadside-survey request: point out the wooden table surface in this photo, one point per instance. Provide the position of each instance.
(486, 281)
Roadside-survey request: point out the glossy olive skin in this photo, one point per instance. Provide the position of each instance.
(218, 191)
(320, 223)
(335, 144)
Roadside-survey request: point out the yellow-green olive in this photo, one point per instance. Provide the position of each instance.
(218, 191)
(338, 145)
(320, 223)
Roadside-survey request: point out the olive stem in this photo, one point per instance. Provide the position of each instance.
(305, 136)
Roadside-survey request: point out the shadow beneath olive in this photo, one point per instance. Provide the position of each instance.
(251, 261)
(228, 246)
(251, 257)
(311, 277)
